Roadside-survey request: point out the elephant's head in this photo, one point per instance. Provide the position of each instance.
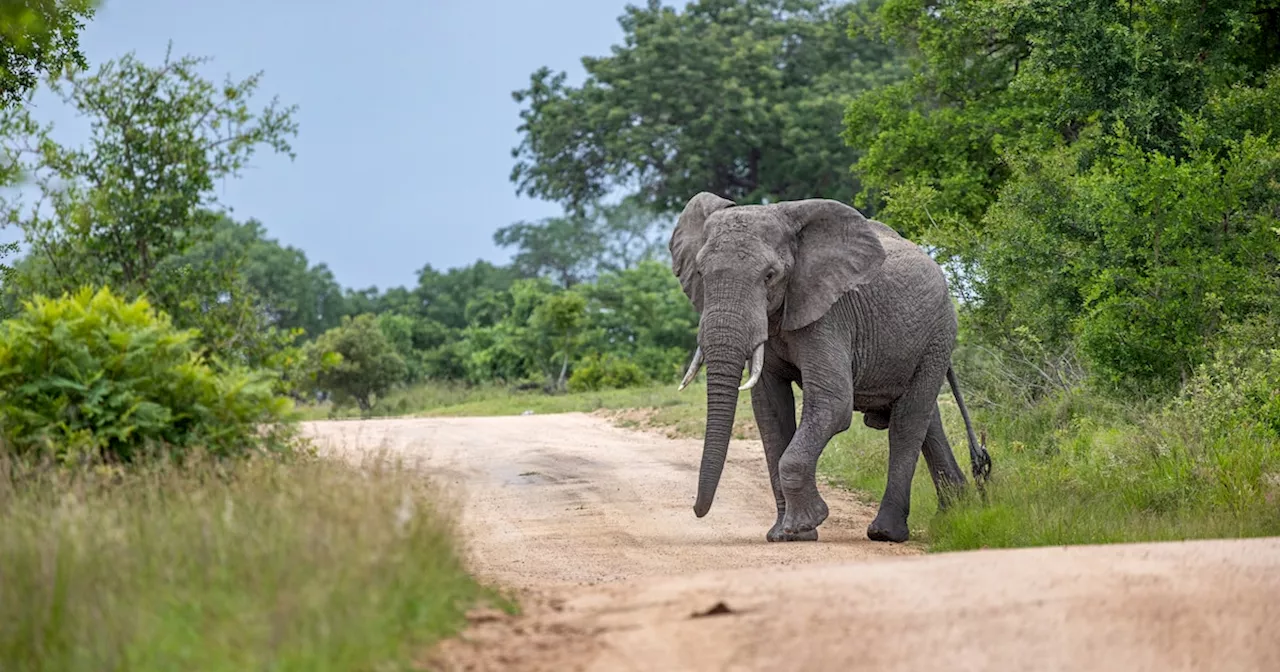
(747, 266)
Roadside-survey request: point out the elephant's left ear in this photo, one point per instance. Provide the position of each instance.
(688, 238)
(837, 249)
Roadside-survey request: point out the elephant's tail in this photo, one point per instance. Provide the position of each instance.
(979, 458)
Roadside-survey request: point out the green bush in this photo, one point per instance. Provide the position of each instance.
(369, 365)
(1240, 386)
(605, 373)
(91, 375)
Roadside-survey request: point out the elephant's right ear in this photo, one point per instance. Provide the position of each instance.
(688, 238)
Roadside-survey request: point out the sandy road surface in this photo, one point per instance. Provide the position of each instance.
(593, 525)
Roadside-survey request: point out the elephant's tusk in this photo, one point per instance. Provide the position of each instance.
(757, 365)
(694, 367)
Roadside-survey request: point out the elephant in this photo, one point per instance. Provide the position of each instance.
(812, 292)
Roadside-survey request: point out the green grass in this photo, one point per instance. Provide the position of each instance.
(309, 565)
(1079, 470)
(1075, 469)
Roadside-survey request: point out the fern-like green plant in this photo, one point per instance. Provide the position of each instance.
(90, 375)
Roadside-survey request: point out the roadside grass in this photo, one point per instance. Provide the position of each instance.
(1077, 468)
(305, 564)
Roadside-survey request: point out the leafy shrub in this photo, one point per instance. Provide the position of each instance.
(1240, 386)
(661, 364)
(605, 373)
(91, 375)
(369, 363)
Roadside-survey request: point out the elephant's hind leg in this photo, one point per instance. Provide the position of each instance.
(908, 426)
(947, 477)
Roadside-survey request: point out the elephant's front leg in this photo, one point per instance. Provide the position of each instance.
(774, 404)
(828, 410)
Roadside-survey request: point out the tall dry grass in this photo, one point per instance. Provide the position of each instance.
(304, 564)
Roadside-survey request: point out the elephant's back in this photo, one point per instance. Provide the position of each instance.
(909, 273)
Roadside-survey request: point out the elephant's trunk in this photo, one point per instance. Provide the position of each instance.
(727, 339)
(723, 377)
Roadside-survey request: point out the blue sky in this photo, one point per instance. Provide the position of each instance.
(405, 113)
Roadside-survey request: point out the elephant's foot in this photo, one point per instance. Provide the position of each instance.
(891, 527)
(804, 515)
(778, 533)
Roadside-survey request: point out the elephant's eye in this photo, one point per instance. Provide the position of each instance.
(769, 275)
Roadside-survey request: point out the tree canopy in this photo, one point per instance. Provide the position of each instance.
(37, 38)
(738, 98)
(572, 248)
(1104, 172)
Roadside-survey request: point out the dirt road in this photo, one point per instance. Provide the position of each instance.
(593, 526)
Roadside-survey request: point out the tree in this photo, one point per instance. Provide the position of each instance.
(572, 249)
(6, 274)
(445, 297)
(738, 97)
(369, 364)
(630, 234)
(119, 211)
(641, 314)
(564, 248)
(400, 331)
(1104, 173)
(557, 327)
(38, 38)
(289, 291)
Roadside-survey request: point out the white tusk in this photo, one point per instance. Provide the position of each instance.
(757, 365)
(694, 367)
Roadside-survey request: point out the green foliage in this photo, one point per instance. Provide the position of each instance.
(605, 373)
(560, 247)
(537, 338)
(38, 38)
(285, 288)
(368, 366)
(1240, 386)
(120, 211)
(572, 249)
(641, 314)
(740, 98)
(1141, 256)
(92, 377)
(6, 273)
(401, 331)
(457, 298)
(1102, 175)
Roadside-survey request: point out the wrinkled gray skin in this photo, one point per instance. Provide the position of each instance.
(857, 316)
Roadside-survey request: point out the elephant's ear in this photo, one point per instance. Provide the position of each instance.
(688, 238)
(837, 249)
